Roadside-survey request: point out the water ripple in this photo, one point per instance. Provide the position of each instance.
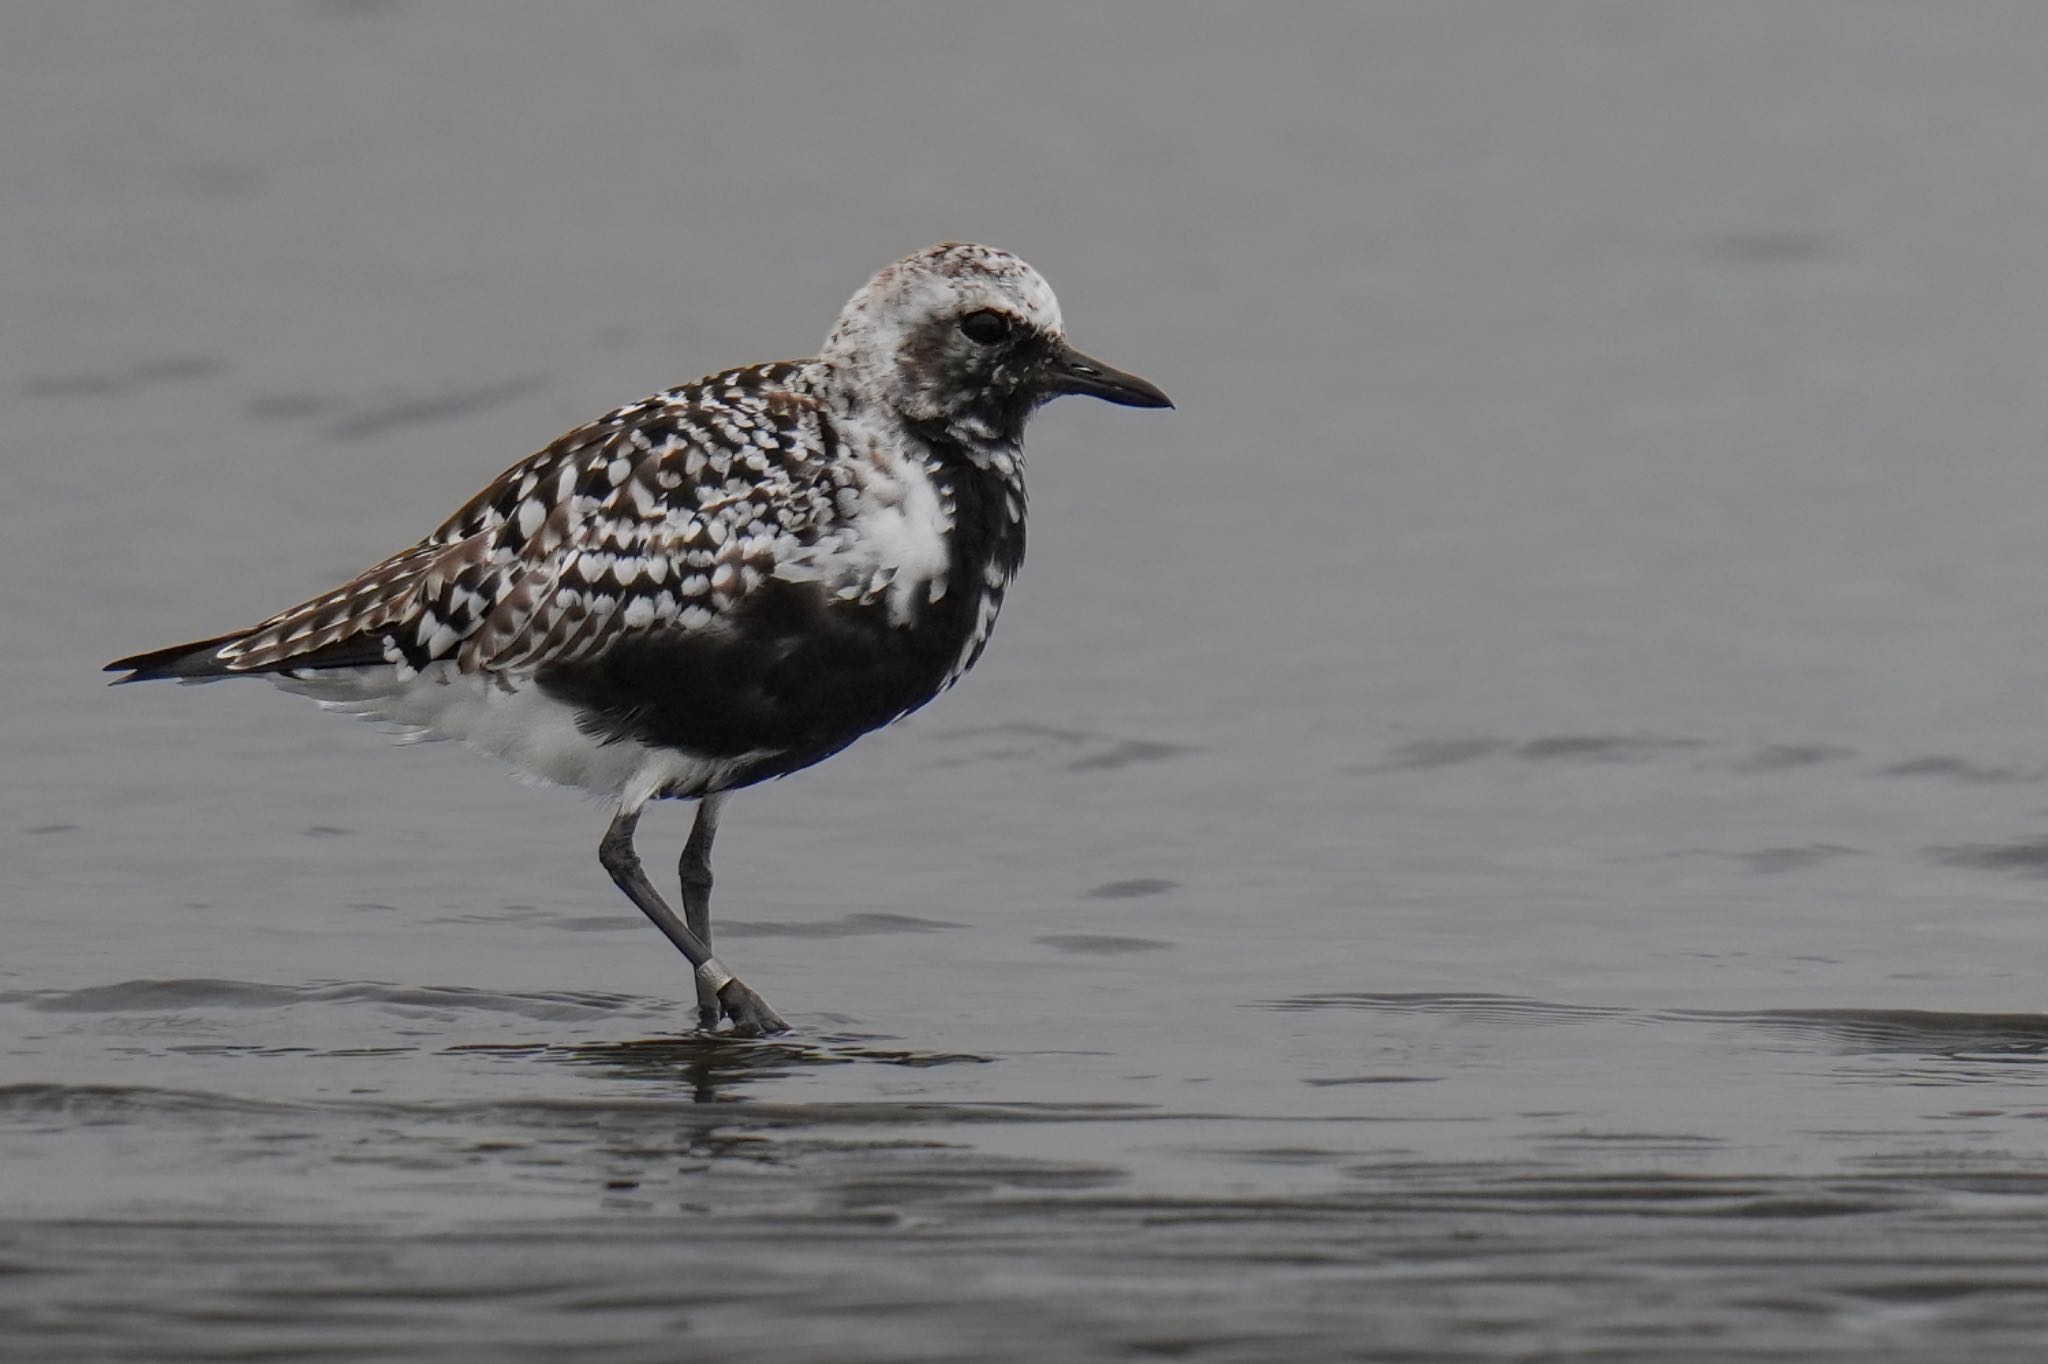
(159, 996)
(2014, 1037)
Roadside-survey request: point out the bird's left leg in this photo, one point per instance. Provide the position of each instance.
(695, 870)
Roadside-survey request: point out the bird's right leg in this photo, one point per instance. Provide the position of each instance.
(750, 1015)
(696, 878)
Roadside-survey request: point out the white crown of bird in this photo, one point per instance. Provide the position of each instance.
(896, 343)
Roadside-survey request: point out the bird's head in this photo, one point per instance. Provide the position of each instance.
(969, 338)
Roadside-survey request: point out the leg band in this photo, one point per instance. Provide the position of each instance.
(714, 975)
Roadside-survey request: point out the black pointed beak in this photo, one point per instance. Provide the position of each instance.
(1069, 371)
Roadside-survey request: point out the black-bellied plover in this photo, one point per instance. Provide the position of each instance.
(723, 583)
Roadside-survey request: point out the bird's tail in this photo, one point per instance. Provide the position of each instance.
(201, 660)
(187, 662)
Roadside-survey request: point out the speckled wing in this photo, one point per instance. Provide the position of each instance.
(335, 629)
(664, 529)
(658, 517)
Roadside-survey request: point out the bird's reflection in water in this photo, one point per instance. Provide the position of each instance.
(723, 1069)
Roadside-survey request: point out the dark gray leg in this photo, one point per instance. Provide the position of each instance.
(749, 1013)
(696, 875)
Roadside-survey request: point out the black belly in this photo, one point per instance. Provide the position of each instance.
(796, 676)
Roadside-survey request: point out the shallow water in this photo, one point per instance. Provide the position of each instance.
(1511, 827)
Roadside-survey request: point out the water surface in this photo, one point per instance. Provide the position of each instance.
(1511, 827)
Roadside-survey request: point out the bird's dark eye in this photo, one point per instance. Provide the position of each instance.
(985, 327)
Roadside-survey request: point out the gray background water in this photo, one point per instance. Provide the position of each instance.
(1510, 827)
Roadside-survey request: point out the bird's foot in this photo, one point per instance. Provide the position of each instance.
(750, 1014)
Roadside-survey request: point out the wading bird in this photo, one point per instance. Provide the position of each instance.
(723, 583)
